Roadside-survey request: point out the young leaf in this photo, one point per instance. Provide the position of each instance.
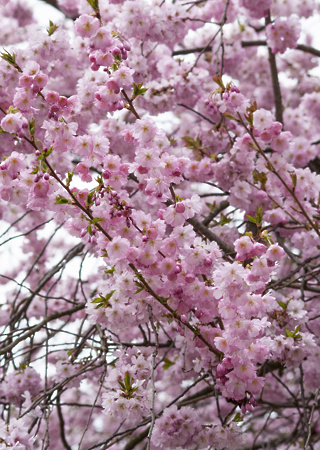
(237, 418)
(283, 305)
(94, 5)
(52, 28)
(138, 90)
(61, 200)
(167, 363)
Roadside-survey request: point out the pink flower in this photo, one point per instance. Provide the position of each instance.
(123, 76)
(41, 80)
(86, 26)
(262, 119)
(172, 217)
(31, 69)
(243, 247)
(11, 123)
(52, 97)
(144, 130)
(118, 248)
(41, 188)
(283, 33)
(235, 388)
(275, 252)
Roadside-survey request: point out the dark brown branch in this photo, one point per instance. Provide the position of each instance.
(308, 49)
(66, 258)
(244, 44)
(38, 327)
(196, 112)
(198, 226)
(223, 205)
(62, 424)
(275, 81)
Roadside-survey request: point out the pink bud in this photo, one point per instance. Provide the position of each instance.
(190, 278)
(160, 214)
(25, 81)
(180, 208)
(172, 277)
(208, 262)
(94, 67)
(142, 170)
(52, 97)
(63, 101)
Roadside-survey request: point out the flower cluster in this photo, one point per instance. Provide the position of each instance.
(162, 226)
(283, 34)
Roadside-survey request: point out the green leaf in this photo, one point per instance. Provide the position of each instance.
(139, 290)
(35, 171)
(122, 385)
(217, 79)
(224, 219)
(96, 219)
(61, 200)
(69, 178)
(258, 218)
(242, 28)
(164, 299)
(90, 230)
(167, 363)
(260, 177)
(288, 333)
(45, 154)
(251, 219)
(127, 380)
(194, 144)
(31, 126)
(259, 214)
(97, 300)
(12, 110)
(139, 285)
(283, 305)
(237, 418)
(197, 331)
(230, 116)
(108, 296)
(138, 90)
(10, 58)
(294, 179)
(110, 271)
(89, 198)
(52, 28)
(94, 5)
(103, 301)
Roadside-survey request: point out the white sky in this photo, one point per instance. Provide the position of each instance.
(44, 12)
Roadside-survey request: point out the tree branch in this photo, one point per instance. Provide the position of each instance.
(275, 81)
(37, 327)
(244, 44)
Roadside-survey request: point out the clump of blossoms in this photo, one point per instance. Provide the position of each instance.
(159, 186)
(283, 34)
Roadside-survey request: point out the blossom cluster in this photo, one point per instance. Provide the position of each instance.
(197, 323)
